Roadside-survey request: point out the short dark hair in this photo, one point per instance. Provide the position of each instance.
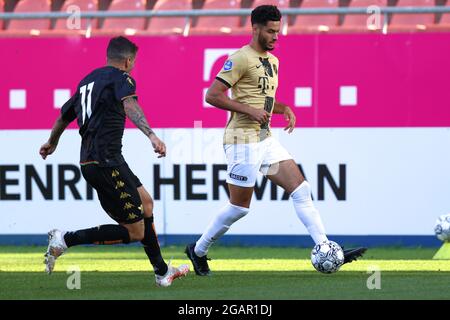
(120, 48)
(265, 13)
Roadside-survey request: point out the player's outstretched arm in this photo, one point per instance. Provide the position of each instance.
(137, 116)
(50, 146)
(216, 96)
(289, 115)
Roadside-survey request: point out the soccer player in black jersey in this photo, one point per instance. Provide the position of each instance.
(101, 103)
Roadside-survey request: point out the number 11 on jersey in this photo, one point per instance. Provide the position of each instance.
(86, 102)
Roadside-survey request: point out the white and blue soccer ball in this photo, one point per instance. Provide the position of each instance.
(442, 227)
(327, 257)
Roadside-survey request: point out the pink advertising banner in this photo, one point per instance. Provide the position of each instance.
(399, 80)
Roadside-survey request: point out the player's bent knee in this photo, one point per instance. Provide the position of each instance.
(136, 236)
(136, 231)
(241, 203)
(241, 200)
(302, 193)
(139, 236)
(238, 212)
(240, 196)
(273, 169)
(231, 213)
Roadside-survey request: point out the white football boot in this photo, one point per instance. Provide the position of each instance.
(56, 247)
(171, 274)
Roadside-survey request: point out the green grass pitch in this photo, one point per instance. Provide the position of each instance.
(238, 273)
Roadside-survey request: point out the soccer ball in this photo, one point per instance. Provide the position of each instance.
(327, 257)
(442, 227)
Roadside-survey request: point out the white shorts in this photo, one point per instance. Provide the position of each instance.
(245, 160)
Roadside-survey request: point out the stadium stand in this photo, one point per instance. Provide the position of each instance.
(163, 25)
(218, 24)
(84, 5)
(213, 24)
(279, 3)
(2, 6)
(129, 26)
(34, 26)
(362, 23)
(315, 23)
(445, 21)
(409, 22)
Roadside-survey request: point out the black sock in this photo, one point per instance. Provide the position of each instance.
(151, 247)
(105, 234)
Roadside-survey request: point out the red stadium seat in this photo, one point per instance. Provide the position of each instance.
(445, 21)
(34, 25)
(129, 25)
(218, 24)
(364, 22)
(308, 23)
(2, 5)
(412, 22)
(85, 6)
(163, 25)
(279, 3)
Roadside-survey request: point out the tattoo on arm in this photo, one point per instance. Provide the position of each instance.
(136, 115)
(57, 130)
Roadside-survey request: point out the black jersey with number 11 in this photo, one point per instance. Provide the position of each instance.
(98, 106)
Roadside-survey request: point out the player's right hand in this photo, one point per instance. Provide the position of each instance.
(158, 145)
(46, 149)
(259, 115)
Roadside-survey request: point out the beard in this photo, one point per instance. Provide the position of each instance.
(264, 44)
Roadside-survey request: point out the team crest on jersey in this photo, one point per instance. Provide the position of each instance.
(228, 65)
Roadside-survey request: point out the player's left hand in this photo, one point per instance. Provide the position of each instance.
(289, 116)
(158, 145)
(46, 149)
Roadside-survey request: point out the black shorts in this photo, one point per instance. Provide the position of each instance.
(117, 191)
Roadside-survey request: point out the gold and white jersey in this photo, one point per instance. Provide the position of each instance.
(253, 79)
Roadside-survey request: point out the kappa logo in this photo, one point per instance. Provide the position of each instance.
(238, 177)
(119, 184)
(124, 195)
(132, 216)
(128, 206)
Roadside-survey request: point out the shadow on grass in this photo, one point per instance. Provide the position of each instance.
(226, 285)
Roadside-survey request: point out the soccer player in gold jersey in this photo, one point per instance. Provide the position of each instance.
(252, 75)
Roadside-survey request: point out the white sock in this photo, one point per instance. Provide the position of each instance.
(307, 213)
(217, 228)
(63, 233)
